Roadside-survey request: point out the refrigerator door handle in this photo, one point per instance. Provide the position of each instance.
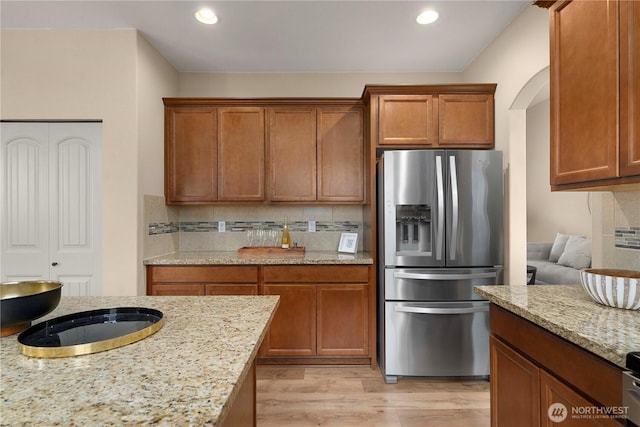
(434, 310)
(442, 276)
(440, 186)
(454, 208)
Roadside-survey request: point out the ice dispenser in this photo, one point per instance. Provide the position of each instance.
(413, 229)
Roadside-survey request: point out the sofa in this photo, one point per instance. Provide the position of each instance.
(559, 262)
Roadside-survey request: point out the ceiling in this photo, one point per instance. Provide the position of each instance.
(289, 36)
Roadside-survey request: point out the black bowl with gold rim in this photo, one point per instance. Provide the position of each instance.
(23, 302)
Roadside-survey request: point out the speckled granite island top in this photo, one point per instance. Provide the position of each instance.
(231, 258)
(187, 373)
(569, 312)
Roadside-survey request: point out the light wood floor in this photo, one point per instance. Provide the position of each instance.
(339, 396)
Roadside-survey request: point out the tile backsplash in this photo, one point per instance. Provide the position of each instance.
(196, 228)
(621, 230)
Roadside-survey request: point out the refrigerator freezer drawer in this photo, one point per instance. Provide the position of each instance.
(448, 339)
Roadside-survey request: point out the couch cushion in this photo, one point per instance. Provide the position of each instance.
(577, 253)
(558, 247)
(550, 273)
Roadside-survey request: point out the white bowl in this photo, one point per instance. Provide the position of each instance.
(615, 288)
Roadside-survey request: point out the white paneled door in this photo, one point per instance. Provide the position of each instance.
(52, 204)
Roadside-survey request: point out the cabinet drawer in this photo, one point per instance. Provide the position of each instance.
(316, 274)
(204, 274)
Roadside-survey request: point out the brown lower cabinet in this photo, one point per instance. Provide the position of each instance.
(536, 375)
(325, 314)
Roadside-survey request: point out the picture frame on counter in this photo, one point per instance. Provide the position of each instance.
(348, 243)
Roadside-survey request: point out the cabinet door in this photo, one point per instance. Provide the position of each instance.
(564, 401)
(340, 154)
(173, 289)
(343, 320)
(584, 91)
(408, 120)
(240, 153)
(190, 154)
(231, 289)
(293, 329)
(292, 154)
(629, 88)
(466, 121)
(515, 388)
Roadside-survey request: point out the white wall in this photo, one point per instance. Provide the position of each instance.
(548, 212)
(93, 74)
(156, 79)
(321, 85)
(512, 60)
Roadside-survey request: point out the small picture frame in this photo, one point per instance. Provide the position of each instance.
(348, 243)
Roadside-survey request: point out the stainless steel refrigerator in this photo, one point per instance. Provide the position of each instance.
(440, 234)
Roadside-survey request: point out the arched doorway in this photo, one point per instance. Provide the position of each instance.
(517, 171)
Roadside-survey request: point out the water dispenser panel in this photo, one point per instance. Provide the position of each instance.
(413, 228)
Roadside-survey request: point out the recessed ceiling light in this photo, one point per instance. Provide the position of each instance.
(427, 17)
(206, 16)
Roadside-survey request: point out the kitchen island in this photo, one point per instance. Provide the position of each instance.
(554, 344)
(198, 369)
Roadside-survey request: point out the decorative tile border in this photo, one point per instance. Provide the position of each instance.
(242, 226)
(163, 228)
(628, 237)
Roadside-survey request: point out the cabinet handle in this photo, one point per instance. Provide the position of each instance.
(54, 264)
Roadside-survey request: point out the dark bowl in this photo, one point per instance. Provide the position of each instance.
(22, 302)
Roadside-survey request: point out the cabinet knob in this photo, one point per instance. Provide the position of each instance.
(54, 264)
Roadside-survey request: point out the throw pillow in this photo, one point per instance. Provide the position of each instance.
(558, 247)
(577, 253)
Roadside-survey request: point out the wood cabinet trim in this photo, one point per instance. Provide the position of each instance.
(261, 102)
(370, 90)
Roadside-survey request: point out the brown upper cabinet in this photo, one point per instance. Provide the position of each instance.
(280, 151)
(292, 154)
(408, 120)
(241, 154)
(595, 109)
(191, 154)
(213, 154)
(340, 150)
(316, 154)
(451, 116)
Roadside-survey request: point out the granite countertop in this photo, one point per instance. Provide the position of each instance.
(231, 258)
(187, 373)
(569, 312)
